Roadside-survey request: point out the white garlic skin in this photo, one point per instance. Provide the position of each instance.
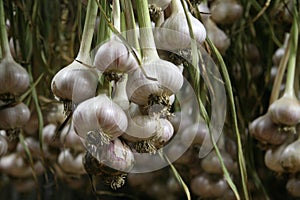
(70, 163)
(217, 36)
(69, 139)
(99, 114)
(114, 56)
(117, 155)
(3, 145)
(175, 33)
(14, 79)
(49, 132)
(75, 83)
(272, 158)
(165, 134)
(226, 11)
(289, 158)
(14, 117)
(169, 81)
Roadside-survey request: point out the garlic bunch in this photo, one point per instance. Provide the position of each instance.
(14, 117)
(71, 164)
(99, 120)
(174, 34)
(226, 11)
(264, 130)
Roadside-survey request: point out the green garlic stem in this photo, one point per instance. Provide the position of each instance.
(3, 34)
(176, 7)
(146, 35)
(116, 14)
(289, 86)
(88, 30)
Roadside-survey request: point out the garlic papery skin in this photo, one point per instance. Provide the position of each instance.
(169, 81)
(75, 83)
(264, 130)
(217, 36)
(3, 145)
(69, 139)
(226, 11)
(293, 186)
(71, 164)
(286, 110)
(100, 118)
(114, 56)
(163, 135)
(14, 79)
(289, 158)
(175, 32)
(14, 117)
(272, 158)
(49, 136)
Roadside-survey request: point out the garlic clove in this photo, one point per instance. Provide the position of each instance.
(217, 36)
(114, 56)
(14, 79)
(99, 118)
(226, 11)
(289, 157)
(272, 158)
(169, 81)
(49, 136)
(14, 117)
(71, 164)
(75, 83)
(285, 110)
(264, 130)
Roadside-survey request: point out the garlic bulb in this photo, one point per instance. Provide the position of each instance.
(211, 163)
(71, 164)
(289, 158)
(75, 83)
(114, 56)
(99, 118)
(204, 186)
(272, 158)
(32, 145)
(217, 36)
(3, 145)
(14, 78)
(70, 139)
(264, 130)
(286, 110)
(174, 34)
(169, 81)
(194, 134)
(226, 11)
(14, 117)
(49, 136)
(293, 187)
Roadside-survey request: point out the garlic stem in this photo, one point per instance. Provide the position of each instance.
(116, 14)
(146, 35)
(88, 30)
(176, 7)
(289, 87)
(3, 35)
(120, 96)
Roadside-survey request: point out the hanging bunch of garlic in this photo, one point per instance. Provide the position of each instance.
(14, 81)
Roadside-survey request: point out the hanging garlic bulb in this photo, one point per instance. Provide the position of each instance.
(226, 11)
(280, 51)
(113, 161)
(99, 118)
(3, 145)
(14, 79)
(194, 134)
(76, 82)
(49, 136)
(32, 145)
(70, 163)
(175, 33)
(217, 36)
(272, 158)
(289, 158)
(264, 130)
(14, 117)
(204, 186)
(70, 139)
(293, 186)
